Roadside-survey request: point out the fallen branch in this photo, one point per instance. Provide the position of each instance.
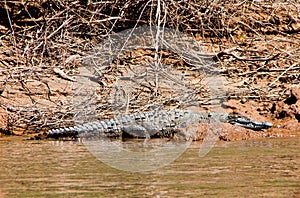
(63, 75)
(227, 53)
(285, 71)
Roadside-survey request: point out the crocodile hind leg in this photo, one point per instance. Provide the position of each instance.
(136, 131)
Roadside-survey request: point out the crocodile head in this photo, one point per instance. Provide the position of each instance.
(240, 120)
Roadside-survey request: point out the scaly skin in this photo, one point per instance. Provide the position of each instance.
(151, 123)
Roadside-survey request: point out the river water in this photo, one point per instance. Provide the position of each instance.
(252, 168)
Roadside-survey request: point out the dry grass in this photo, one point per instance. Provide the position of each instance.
(42, 44)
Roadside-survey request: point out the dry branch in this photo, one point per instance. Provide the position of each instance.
(39, 37)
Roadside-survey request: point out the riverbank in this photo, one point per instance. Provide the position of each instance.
(283, 127)
(255, 46)
(284, 115)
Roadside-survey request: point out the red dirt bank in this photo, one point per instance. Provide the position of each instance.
(284, 115)
(256, 47)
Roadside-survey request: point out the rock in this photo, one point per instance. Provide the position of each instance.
(296, 93)
(290, 108)
(296, 107)
(294, 97)
(3, 121)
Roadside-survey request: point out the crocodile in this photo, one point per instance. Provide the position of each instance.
(154, 123)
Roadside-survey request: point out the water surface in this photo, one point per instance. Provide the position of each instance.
(255, 168)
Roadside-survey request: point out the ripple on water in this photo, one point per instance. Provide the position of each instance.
(269, 167)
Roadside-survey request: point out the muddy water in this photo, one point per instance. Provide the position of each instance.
(257, 168)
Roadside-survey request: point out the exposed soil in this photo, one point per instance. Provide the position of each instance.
(255, 46)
